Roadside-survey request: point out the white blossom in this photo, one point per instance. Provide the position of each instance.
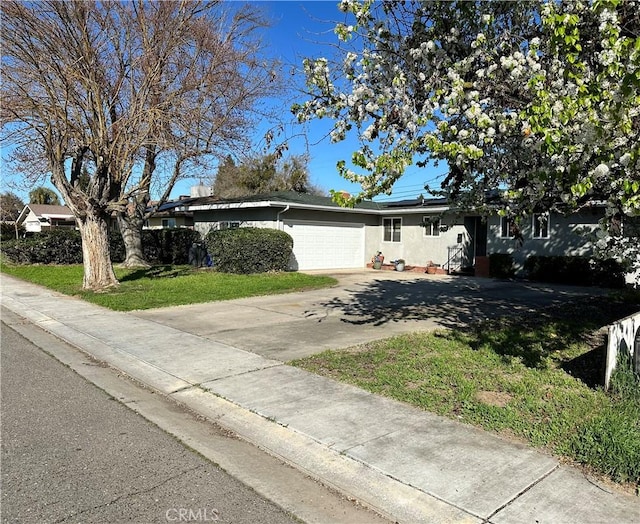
(601, 170)
(625, 159)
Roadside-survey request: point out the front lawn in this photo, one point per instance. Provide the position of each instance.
(535, 379)
(163, 286)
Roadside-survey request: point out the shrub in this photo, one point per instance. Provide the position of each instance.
(171, 245)
(57, 246)
(501, 265)
(159, 246)
(608, 273)
(8, 231)
(116, 247)
(575, 270)
(250, 250)
(64, 246)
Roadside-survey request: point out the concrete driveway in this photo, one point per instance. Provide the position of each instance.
(363, 306)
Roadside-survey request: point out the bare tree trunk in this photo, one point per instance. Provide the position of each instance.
(131, 230)
(98, 269)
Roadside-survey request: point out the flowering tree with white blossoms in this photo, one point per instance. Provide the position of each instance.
(539, 101)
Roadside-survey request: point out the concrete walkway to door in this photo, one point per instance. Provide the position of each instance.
(363, 306)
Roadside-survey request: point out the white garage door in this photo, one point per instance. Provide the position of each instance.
(327, 245)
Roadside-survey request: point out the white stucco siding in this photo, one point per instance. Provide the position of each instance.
(415, 247)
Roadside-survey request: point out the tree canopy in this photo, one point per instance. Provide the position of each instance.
(262, 174)
(538, 101)
(43, 195)
(109, 98)
(10, 207)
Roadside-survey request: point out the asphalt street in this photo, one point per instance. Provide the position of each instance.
(73, 453)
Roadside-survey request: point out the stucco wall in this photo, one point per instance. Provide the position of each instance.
(32, 224)
(268, 217)
(564, 237)
(206, 220)
(328, 216)
(415, 248)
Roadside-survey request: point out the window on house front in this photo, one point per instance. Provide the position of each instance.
(228, 225)
(168, 222)
(431, 226)
(392, 228)
(507, 227)
(541, 225)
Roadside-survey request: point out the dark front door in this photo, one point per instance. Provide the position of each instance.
(477, 233)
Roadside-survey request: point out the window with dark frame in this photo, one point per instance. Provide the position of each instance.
(228, 225)
(392, 229)
(431, 227)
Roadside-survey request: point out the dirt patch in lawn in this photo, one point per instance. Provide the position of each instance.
(494, 398)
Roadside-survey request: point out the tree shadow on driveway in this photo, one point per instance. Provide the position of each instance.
(449, 303)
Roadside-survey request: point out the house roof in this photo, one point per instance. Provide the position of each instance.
(50, 210)
(418, 202)
(46, 211)
(286, 197)
(307, 201)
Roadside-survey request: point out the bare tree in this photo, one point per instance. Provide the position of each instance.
(113, 90)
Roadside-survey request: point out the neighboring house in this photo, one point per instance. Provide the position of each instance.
(420, 231)
(39, 217)
(171, 215)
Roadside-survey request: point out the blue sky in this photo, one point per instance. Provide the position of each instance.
(304, 28)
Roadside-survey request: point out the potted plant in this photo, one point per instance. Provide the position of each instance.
(432, 268)
(399, 264)
(377, 260)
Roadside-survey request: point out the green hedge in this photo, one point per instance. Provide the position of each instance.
(159, 246)
(249, 250)
(58, 246)
(580, 271)
(64, 246)
(501, 265)
(8, 231)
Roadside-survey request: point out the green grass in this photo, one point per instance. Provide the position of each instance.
(164, 286)
(534, 379)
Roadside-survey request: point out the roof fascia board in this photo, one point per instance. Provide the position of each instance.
(53, 215)
(273, 203)
(295, 205)
(24, 213)
(414, 210)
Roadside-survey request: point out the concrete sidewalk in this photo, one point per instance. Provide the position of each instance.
(408, 465)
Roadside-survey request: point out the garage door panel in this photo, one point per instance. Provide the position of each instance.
(327, 245)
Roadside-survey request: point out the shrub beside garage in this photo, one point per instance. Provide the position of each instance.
(249, 250)
(64, 246)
